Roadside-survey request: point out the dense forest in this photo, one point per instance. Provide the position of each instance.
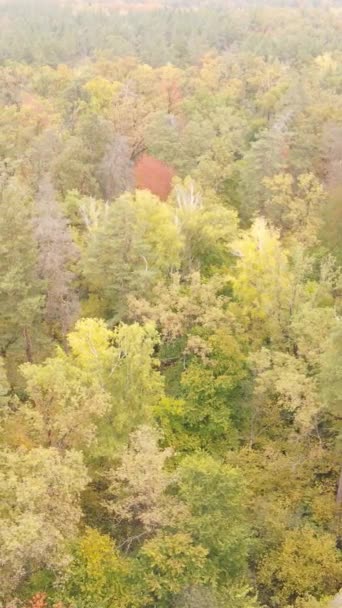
(170, 304)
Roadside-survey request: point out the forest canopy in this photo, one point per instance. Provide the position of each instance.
(170, 304)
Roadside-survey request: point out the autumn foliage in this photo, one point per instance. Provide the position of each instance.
(170, 304)
(154, 175)
(40, 600)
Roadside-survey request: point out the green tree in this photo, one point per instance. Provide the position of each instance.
(207, 228)
(331, 385)
(19, 282)
(208, 415)
(297, 209)
(64, 403)
(168, 565)
(122, 362)
(98, 574)
(135, 243)
(215, 496)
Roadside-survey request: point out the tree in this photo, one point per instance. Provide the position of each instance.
(297, 209)
(331, 385)
(122, 362)
(57, 254)
(4, 385)
(331, 374)
(74, 168)
(214, 494)
(266, 157)
(102, 94)
(264, 286)
(40, 491)
(98, 574)
(134, 245)
(307, 563)
(285, 395)
(183, 304)
(116, 169)
(207, 228)
(64, 403)
(168, 565)
(138, 487)
(19, 280)
(208, 418)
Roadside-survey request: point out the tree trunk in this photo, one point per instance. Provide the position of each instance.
(28, 345)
